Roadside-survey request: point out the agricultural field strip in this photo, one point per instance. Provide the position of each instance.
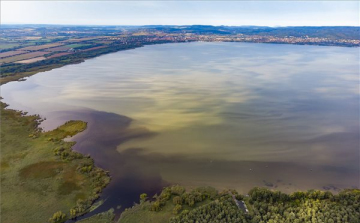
(105, 42)
(41, 47)
(58, 55)
(4, 46)
(57, 49)
(12, 53)
(22, 57)
(94, 48)
(32, 60)
(65, 47)
(84, 39)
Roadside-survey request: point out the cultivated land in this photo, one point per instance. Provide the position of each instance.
(40, 47)
(40, 174)
(32, 60)
(66, 45)
(12, 53)
(22, 57)
(8, 45)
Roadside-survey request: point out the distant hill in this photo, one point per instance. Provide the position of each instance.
(333, 32)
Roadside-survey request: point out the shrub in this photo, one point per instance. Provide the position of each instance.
(58, 217)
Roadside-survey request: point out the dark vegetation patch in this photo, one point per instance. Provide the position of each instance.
(67, 187)
(4, 165)
(41, 170)
(80, 196)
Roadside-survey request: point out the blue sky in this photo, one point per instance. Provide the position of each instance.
(237, 13)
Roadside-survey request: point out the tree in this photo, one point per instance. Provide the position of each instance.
(143, 197)
(155, 206)
(177, 208)
(58, 217)
(177, 200)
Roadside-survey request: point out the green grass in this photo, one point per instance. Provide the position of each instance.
(35, 182)
(68, 187)
(96, 205)
(70, 128)
(4, 46)
(141, 213)
(104, 217)
(77, 45)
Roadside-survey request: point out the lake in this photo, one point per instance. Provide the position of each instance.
(227, 115)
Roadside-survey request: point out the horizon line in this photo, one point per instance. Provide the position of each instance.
(276, 26)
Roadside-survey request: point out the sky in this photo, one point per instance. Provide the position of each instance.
(233, 13)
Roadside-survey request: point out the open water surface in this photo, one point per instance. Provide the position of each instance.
(228, 115)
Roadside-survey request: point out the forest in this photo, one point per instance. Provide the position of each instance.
(207, 205)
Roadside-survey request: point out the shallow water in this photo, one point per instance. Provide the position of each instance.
(229, 115)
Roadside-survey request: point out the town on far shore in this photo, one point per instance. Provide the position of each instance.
(31, 44)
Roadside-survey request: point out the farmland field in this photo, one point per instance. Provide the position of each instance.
(12, 53)
(32, 60)
(83, 39)
(77, 45)
(104, 42)
(22, 57)
(4, 46)
(40, 47)
(59, 55)
(95, 48)
(33, 37)
(57, 49)
(66, 47)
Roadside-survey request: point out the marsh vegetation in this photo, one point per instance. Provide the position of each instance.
(42, 178)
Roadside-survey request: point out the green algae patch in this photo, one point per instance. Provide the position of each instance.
(42, 178)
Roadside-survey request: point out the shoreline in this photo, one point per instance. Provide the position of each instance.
(20, 76)
(76, 170)
(80, 62)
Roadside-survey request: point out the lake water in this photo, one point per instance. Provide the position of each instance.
(228, 115)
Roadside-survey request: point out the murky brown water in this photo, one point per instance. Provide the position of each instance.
(229, 115)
